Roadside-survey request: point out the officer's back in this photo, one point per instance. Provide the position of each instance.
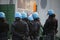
(51, 25)
(37, 23)
(20, 26)
(4, 27)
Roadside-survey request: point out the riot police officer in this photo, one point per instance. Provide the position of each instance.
(37, 25)
(31, 27)
(19, 28)
(50, 27)
(4, 27)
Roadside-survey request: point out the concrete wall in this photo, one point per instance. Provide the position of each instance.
(4, 1)
(50, 4)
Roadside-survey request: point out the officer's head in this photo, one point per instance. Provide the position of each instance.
(2, 16)
(35, 16)
(51, 13)
(24, 16)
(18, 16)
(30, 18)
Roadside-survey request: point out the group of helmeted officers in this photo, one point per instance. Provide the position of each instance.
(25, 26)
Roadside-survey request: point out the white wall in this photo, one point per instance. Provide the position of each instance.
(4, 1)
(51, 4)
(42, 12)
(7, 1)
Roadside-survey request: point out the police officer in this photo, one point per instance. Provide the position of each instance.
(31, 26)
(25, 18)
(4, 27)
(19, 28)
(36, 25)
(50, 27)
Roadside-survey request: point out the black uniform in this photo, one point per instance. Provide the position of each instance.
(4, 27)
(20, 30)
(34, 29)
(50, 28)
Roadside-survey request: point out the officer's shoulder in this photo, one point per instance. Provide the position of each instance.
(48, 20)
(56, 20)
(24, 22)
(5, 23)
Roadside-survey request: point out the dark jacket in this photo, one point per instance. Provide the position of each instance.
(4, 27)
(34, 27)
(50, 26)
(19, 28)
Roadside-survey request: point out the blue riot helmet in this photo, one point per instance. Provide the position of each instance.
(2, 15)
(24, 15)
(30, 18)
(50, 12)
(35, 15)
(18, 14)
